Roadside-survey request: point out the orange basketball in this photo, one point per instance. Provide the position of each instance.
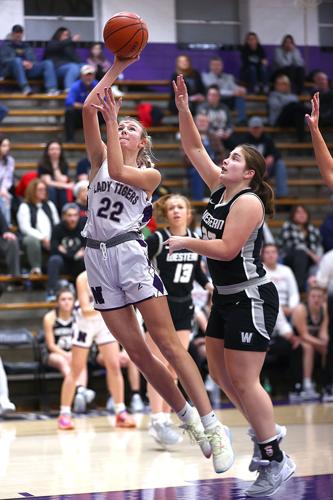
(125, 34)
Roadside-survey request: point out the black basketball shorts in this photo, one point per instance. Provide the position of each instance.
(245, 321)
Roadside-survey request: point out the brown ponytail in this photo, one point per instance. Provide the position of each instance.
(255, 161)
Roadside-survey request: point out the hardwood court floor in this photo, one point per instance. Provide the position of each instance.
(38, 460)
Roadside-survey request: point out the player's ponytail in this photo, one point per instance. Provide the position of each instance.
(255, 161)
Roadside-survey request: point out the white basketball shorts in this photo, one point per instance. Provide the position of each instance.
(122, 275)
(89, 330)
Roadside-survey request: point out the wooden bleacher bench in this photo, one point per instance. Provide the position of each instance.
(53, 129)
(282, 201)
(26, 306)
(154, 83)
(59, 112)
(5, 278)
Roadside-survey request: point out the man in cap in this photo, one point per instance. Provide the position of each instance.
(275, 166)
(18, 61)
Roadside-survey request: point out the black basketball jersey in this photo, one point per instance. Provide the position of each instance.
(63, 331)
(314, 326)
(179, 270)
(246, 268)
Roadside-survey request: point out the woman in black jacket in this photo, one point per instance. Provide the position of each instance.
(61, 50)
(254, 70)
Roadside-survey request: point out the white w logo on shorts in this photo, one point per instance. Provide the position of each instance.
(246, 337)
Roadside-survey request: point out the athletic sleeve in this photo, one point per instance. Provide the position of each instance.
(154, 244)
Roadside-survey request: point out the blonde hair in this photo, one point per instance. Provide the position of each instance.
(30, 192)
(160, 206)
(145, 156)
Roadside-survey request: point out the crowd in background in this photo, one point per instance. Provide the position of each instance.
(47, 206)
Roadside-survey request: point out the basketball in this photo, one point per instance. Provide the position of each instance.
(125, 34)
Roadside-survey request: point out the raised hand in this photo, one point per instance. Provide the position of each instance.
(313, 119)
(181, 95)
(109, 106)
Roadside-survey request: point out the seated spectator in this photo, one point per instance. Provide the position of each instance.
(282, 277)
(82, 169)
(7, 167)
(264, 143)
(214, 149)
(195, 87)
(322, 85)
(67, 248)
(36, 218)
(289, 61)
(77, 94)
(254, 64)
(300, 245)
(59, 328)
(62, 52)
(80, 192)
(284, 107)
(98, 61)
(220, 124)
(9, 248)
(310, 322)
(53, 170)
(19, 62)
(231, 94)
(6, 406)
(3, 112)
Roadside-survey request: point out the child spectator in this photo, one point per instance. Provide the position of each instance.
(254, 64)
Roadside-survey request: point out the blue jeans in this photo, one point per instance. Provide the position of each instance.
(237, 103)
(68, 73)
(256, 75)
(42, 68)
(58, 196)
(3, 112)
(279, 171)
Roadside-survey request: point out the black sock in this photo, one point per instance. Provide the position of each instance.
(134, 392)
(271, 451)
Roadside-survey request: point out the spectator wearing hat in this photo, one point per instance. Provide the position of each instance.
(67, 248)
(19, 61)
(74, 102)
(275, 166)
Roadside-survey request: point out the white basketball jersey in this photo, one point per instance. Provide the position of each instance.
(114, 208)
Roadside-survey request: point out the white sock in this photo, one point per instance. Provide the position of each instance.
(307, 384)
(119, 407)
(158, 417)
(209, 420)
(267, 440)
(186, 414)
(65, 410)
(277, 430)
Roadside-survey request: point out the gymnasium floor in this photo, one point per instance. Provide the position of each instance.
(98, 462)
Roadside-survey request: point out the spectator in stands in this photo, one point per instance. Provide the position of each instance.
(6, 406)
(9, 248)
(264, 143)
(3, 112)
(231, 94)
(322, 85)
(215, 150)
(67, 248)
(82, 169)
(282, 277)
(220, 123)
(195, 87)
(288, 61)
(36, 218)
(97, 60)
(74, 102)
(310, 322)
(19, 62)
(80, 192)
(7, 167)
(300, 244)
(62, 52)
(59, 328)
(53, 170)
(254, 64)
(284, 107)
